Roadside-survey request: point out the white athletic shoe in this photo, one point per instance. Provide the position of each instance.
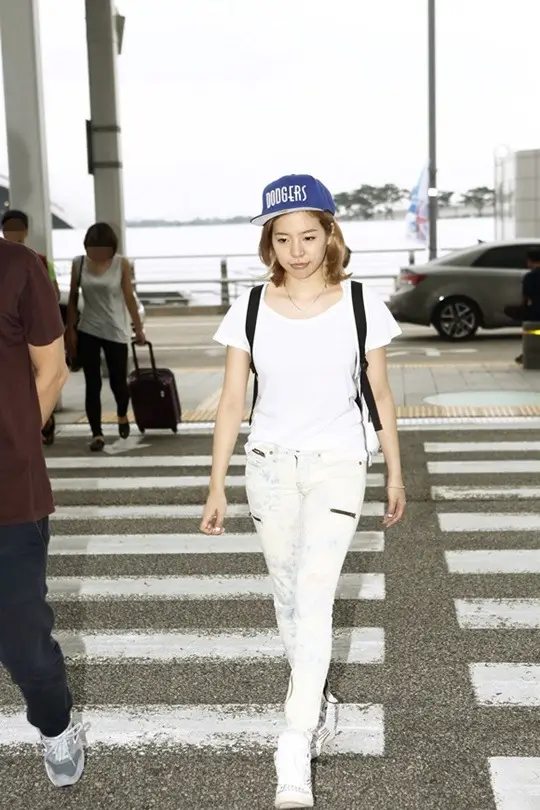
(328, 719)
(64, 756)
(293, 768)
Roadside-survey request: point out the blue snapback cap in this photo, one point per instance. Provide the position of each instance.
(294, 192)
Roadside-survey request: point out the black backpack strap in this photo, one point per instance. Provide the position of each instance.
(251, 323)
(361, 332)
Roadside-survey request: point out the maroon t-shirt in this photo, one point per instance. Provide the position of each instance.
(29, 314)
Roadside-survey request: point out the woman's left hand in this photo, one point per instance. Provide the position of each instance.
(396, 505)
(140, 337)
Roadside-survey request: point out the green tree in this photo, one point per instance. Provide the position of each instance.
(445, 198)
(479, 197)
(387, 197)
(364, 201)
(343, 203)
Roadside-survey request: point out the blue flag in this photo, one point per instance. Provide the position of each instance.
(417, 219)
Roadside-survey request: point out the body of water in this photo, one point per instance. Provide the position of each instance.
(187, 259)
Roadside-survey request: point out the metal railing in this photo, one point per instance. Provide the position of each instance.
(219, 279)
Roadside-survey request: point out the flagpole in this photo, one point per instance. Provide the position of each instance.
(432, 117)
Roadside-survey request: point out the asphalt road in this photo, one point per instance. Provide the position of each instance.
(186, 342)
(438, 729)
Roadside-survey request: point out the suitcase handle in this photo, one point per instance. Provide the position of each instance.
(152, 359)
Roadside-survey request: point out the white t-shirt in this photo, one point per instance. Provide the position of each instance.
(306, 369)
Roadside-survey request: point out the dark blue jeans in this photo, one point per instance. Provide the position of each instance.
(32, 657)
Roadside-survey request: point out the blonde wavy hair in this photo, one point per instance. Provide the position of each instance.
(335, 250)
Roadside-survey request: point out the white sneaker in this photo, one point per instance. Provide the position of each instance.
(293, 767)
(64, 756)
(328, 720)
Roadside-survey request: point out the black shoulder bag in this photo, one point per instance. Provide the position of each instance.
(74, 363)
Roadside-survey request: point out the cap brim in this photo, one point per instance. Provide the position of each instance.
(264, 218)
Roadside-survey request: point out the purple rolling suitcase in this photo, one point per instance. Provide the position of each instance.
(154, 396)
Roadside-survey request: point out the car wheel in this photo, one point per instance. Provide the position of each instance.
(456, 319)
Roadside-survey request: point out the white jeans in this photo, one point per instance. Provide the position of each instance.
(305, 508)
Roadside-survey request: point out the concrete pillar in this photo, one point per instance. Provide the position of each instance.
(527, 194)
(23, 93)
(105, 159)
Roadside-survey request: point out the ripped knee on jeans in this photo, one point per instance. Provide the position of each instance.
(343, 512)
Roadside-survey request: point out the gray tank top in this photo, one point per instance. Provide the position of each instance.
(104, 312)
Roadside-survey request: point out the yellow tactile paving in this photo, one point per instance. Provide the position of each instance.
(425, 411)
(208, 414)
(107, 418)
(498, 364)
(410, 411)
(211, 402)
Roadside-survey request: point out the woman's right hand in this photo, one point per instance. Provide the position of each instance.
(214, 513)
(71, 343)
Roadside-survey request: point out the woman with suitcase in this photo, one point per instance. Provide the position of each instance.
(110, 308)
(310, 442)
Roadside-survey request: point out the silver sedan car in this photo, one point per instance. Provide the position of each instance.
(464, 290)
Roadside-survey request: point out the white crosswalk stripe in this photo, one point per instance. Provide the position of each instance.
(489, 467)
(516, 782)
(482, 447)
(229, 543)
(237, 510)
(497, 685)
(498, 614)
(506, 684)
(160, 482)
(140, 462)
(229, 726)
(364, 645)
(351, 586)
(506, 561)
(484, 493)
(489, 521)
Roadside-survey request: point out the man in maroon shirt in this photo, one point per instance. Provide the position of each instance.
(15, 227)
(32, 374)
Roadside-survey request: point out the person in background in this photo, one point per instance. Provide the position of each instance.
(33, 372)
(15, 229)
(104, 278)
(529, 309)
(15, 226)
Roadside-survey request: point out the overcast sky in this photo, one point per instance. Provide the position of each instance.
(218, 97)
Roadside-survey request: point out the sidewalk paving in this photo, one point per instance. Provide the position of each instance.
(517, 392)
(429, 378)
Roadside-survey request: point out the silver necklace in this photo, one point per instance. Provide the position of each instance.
(304, 309)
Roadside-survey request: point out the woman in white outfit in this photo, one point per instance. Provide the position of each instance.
(310, 444)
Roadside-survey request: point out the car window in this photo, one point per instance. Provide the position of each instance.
(509, 257)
